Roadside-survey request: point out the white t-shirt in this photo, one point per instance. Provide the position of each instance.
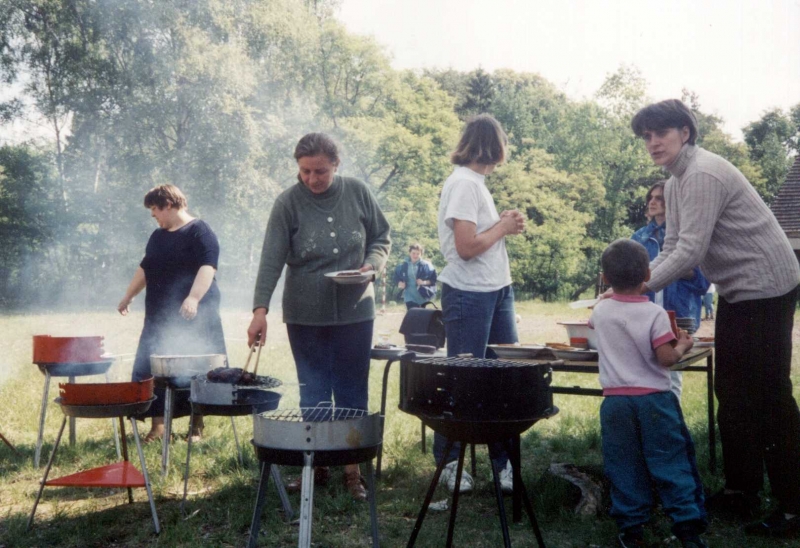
(466, 198)
(629, 328)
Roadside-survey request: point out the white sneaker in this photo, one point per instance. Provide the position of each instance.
(449, 477)
(507, 479)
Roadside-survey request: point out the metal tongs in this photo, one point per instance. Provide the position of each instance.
(250, 356)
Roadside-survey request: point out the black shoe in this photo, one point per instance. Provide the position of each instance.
(775, 525)
(693, 542)
(632, 538)
(733, 506)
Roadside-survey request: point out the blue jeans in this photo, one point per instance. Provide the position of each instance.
(645, 444)
(708, 304)
(332, 363)
(473, 320)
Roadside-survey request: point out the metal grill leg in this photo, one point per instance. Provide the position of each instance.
(236, 441)
(72, 422)
(188, 458)
(167, 431)
(288, 513)
(501, 507)
(145, 474)
(306, 500)
(373, 504)
(47, 470)
(429, 496)
(459, 472)
(42, 414)
(255, 524)
(114, 428)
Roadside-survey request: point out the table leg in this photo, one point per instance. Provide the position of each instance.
(47, 471)
(165, 441)
(146, 476)
(383, 414)
(42, 414)
(712, 434)
(72, 421)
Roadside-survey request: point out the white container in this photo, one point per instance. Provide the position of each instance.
(581, 329)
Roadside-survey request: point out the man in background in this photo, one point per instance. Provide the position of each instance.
(416, 278)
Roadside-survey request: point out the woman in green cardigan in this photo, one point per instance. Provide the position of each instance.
(324, 223)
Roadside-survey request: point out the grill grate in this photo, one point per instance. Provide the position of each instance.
(315, 414)
(474, 362)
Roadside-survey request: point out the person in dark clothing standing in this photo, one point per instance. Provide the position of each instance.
(182, 298)
(416, 278)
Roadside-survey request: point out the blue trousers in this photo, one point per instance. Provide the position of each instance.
(646, 444)
(471, 321)
(332, 363)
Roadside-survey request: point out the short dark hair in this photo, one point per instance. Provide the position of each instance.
(483, 141)
(417, 247)
(625, 263)
(671, 113)
(316, 144)
(164, 195)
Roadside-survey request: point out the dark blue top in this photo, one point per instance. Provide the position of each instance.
(170, 264)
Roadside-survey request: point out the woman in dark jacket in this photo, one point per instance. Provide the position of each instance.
(416, 278)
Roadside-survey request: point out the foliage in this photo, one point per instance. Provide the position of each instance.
(212, 95)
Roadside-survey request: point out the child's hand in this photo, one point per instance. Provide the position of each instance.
(685, 342)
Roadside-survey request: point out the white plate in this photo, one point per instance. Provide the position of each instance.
(514, 351)
(348, 277)
(576, 355)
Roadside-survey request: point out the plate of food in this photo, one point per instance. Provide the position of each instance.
(519, 351)
(575, 354)
(348, 277)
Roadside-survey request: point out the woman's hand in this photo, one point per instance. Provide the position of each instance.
(189, 308)
(123, 305)
(257, 332)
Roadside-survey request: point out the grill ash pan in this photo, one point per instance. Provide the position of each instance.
(475, 389)
(232, 399)
(113, 393)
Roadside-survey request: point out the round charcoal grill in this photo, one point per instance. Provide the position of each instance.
(209, 398)
(475, 400)
(314, 436)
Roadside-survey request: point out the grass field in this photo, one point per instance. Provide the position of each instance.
(222, 492)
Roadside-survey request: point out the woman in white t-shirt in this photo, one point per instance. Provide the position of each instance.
(477, 298)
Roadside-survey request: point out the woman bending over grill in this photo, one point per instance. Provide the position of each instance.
(181, 306)
(324, 223)
(477, 298)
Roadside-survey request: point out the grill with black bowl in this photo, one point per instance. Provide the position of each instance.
(229, 396)
(321, 436)
(475, 400)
